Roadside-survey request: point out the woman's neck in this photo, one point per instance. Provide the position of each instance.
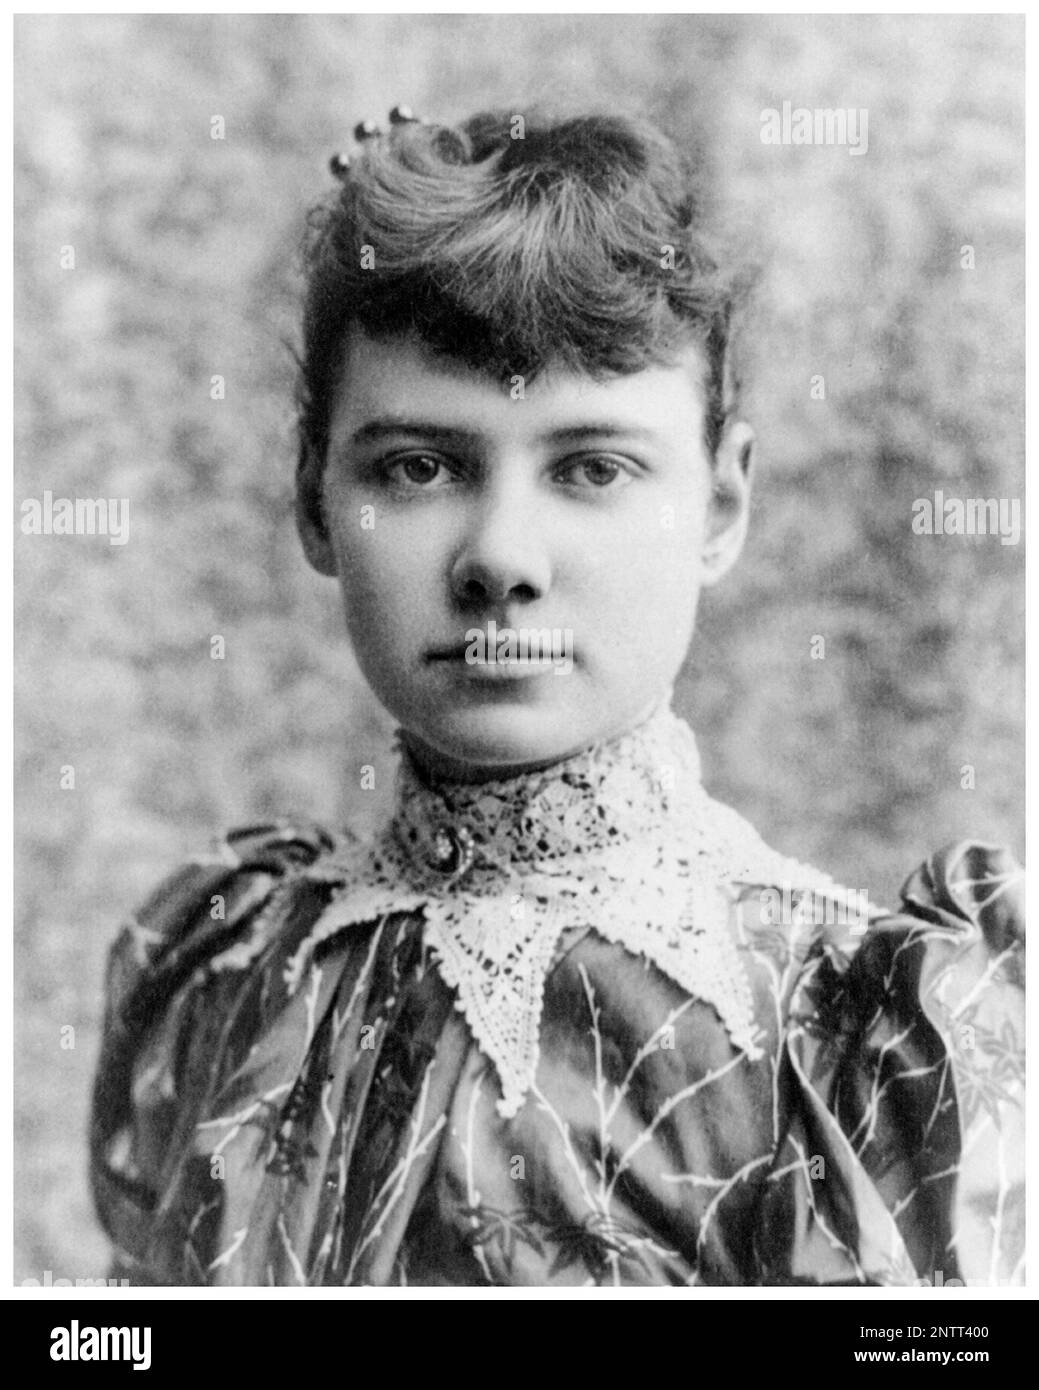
(440, 767)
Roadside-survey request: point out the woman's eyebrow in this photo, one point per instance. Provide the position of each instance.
(374, 431)
(572, 434)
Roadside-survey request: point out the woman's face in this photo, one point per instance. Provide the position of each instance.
(520, 566)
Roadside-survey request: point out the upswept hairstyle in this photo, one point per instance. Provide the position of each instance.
(511, 243)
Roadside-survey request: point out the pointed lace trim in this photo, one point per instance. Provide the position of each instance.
(621, 838)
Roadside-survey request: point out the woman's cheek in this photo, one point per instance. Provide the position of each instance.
(381, 565)
(663, 555)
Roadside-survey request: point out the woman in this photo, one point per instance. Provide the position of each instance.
(564, 1019)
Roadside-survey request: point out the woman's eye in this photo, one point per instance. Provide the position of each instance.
(596, 471)
(417, 470)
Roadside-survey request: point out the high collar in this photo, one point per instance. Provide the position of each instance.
(621, 839)
(607, 796)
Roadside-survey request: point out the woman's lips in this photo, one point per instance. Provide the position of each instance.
(516, 668)
(499, 653)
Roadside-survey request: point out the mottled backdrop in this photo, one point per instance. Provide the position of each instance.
(184, 269)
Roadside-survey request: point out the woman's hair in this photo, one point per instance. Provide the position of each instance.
(508, 243)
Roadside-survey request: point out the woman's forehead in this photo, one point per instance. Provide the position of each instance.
(396, 383)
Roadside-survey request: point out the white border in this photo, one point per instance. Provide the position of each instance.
(947, 1297)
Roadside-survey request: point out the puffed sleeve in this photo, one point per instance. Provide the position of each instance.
(902, 1072)
(158, 1034)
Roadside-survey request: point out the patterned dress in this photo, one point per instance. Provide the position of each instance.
(581, 1027)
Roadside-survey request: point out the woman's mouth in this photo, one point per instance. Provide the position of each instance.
(507, 654)
(494, 668)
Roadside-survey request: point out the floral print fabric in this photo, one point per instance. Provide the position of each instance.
(346, 1132)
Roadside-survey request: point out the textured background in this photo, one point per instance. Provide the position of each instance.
(185, 268)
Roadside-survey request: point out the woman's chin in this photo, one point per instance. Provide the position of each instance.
(495, 740)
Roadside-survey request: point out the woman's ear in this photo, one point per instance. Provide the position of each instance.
(729, 507)
(310, 518)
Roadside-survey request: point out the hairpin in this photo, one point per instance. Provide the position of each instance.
(339, 164)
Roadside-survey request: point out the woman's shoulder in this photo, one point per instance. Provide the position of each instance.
(198, 939)
(970, 890)
(239, 863)
(951, 947)
(974, 888)
(951, 953)
(911, 1037)
(966, 899)
(203, 906)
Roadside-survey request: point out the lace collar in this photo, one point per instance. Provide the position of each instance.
(621, 837)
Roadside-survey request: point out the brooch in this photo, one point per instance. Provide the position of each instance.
(454, 851)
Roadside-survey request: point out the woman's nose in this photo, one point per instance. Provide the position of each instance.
(503, 557)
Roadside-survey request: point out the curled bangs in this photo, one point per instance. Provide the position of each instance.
(510, 243)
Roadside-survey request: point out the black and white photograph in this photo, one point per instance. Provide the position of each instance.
(519, 656)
